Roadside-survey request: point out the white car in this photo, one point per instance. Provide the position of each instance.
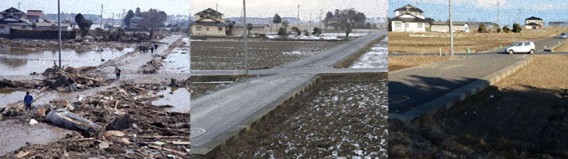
(523, 46)
(564, 35)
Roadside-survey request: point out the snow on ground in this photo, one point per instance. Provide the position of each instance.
(377, 57)
(338, 120)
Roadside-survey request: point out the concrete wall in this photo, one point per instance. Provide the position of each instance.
(398, 26)
(39, 34)
(199, 30)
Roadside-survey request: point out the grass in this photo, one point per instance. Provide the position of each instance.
(402, 62)
(432, 42)
(562, 48)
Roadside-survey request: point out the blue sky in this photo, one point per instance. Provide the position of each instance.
(486, 10)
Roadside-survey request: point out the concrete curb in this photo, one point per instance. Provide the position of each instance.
(210, 148)
(450, 99)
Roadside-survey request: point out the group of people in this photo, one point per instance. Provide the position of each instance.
(151, 48)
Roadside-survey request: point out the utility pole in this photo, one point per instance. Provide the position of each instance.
(59, 30)
(19, 6)
(298, 22)
(451, 30)
(101, 25)
(310, 20)
(217, 7)
(245, 36)
(498, 11)
(519, 17)
(321, 20)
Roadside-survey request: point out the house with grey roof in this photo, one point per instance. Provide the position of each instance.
(534, 23)
(409, 19)
(209, 23)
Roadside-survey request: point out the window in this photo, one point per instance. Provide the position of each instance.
(198, 28)
(527, 43)
(420, 25)
(397, 24)
(220, 28)
(207, 28)
(406, 25)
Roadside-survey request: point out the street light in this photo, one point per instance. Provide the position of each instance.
(245, 36)
(59, 30)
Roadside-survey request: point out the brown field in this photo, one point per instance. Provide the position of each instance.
(229, 55)
(524, 116)
(402, 62)
(476, 42)
(562, 48)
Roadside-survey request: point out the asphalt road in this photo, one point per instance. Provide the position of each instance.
(220, 115)
(410, 88)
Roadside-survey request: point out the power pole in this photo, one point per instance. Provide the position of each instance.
(59, 30)
(321, 20)
(498, 10)
(298, 21)
(451, 31)
(19, 6)
(245, 36)
(310, 20)
(217, 7)
(101, 25)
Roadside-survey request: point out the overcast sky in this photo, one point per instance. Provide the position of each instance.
(171, 7)
(487, 10)
(289, 8)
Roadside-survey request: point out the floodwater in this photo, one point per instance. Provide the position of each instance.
(17, 62)
(8, 97)
(179, 98)
(16, 134)
(177, 61)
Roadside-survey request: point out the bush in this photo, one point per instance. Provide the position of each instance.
(306, 33)
(282, 32)
(517, 28)
(317, 31)
(506, 29)
(482, 28)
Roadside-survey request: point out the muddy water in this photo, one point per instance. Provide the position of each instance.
(15, 62)
(177, 61)
(179, 98)
(15, 134)
(7, 97)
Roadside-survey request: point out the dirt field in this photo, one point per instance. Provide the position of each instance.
(332, 121)
(402, 62)
(217, 55)
(524, 116)
(476, 42)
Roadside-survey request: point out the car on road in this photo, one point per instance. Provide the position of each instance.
(522, 47)
(564, 35)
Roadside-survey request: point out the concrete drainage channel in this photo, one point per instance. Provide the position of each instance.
(279, 106)
(425, 112)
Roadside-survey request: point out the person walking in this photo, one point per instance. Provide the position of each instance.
(28, 99)
(117, 71)
(152, 50)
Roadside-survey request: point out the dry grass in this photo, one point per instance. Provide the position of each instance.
(562, 48)
(524, 116)
(402, 62)
(476, 42)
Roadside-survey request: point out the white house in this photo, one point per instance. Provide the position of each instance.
(209, 23)
(533, 23)
(409, 19)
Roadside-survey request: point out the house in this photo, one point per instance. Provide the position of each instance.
(209, 23)
(533, 23)
(11, 21)
(135, 22)
(441, 26)
(13, 12)
(409, 19)
(34, 15)
(257, 29)
(45, 25)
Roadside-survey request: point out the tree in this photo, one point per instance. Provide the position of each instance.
(83, 24)
(328, 17)
(296, 31)
(506, 29)
(317, 31)
(276, 20)
(347, 20)
(517, 28)
(127, 18)
(306, 33)
(285, 24)
(138, 11)
(230, 26)
(249, 28)
(282, 32)
(482, 28)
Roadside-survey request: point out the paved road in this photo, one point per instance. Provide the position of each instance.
(413, 87)
(220, 115)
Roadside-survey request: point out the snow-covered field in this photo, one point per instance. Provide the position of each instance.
(377, 57)
(340, 120)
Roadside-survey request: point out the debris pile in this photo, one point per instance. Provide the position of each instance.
(72, 79)
(118, 123)
(152, 66)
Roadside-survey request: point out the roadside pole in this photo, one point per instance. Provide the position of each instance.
(451, 31)
(59, 30)
(245, 36)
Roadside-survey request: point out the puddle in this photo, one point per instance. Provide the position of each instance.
(179, 98)
(17, 62)
(177, 61)
(7, 97)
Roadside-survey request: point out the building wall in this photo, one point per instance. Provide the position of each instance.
(199, 30)
(446, 28)
(398, 26)
(534, 21)
(529, 27)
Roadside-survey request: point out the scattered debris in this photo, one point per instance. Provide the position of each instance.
(33, 122)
